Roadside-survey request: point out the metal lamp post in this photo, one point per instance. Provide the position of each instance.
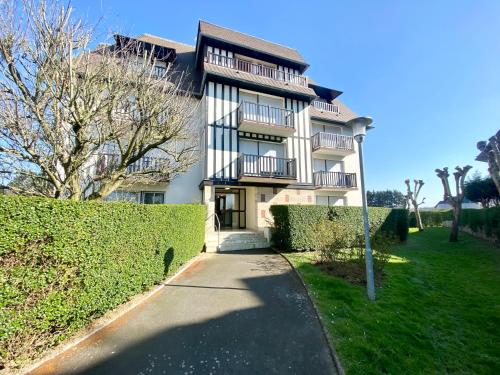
(359, 126)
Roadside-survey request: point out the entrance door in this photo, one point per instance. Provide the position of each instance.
(230, 208)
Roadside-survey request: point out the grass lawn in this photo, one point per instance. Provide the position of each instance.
(437, 312)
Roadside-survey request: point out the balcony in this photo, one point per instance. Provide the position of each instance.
(329, 143)
(258, 168)
(110, 161)
(334, 180)
(159, 71)
(255, 69)
(325, 107)
(260, 118)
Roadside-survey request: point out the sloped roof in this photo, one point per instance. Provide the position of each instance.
(248, 41)
(185, 59)
(345, 113)
(163, 42)
(256, 79)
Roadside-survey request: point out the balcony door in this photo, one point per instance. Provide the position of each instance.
(268, 158)
(262, 108)
(322, 165)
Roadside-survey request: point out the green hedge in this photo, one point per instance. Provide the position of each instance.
(486, 220)
(293, 223)
(66, 263)
(433, 218)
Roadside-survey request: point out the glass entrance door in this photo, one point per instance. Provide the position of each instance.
(230, 207)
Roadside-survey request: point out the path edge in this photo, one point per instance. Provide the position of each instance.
(326, 333)
(103, 321)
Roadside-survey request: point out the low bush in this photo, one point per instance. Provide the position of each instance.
(432, 218)
(344, 256)
(292, 230)
(485, 221)
(63, 263)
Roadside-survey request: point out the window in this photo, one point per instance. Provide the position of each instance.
(332, 129)
(328, 165)
(330, 200)
(123, 195)
(153, 197)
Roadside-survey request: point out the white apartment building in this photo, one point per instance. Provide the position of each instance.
(269, 133)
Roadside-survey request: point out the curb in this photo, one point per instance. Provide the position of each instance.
(333, 353)
(104, 321)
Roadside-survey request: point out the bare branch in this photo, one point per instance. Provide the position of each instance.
(64, 107)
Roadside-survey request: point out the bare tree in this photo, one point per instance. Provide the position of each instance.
(490, 153)
(412, 199)
(79, 123)
(454, 201)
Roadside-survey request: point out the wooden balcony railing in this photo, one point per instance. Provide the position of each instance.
(264, 114)
(256, 69)
(266, 166)
(110, 161)
(335, 179)
(332, 141)
(327, 107)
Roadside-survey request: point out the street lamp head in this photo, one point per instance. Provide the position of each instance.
(359, 127)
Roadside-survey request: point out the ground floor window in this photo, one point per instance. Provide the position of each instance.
(124, 195)
(329, 200)
(153, 197)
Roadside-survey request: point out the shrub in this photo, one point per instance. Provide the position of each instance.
(432, 218)
(344, 255)
(331, 241)
(292, 223)
(66, 263)
(486, 220)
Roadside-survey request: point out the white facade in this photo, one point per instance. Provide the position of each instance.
(263, 140)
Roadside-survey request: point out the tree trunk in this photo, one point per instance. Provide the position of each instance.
(456, 222)
(494, 177)
(419, 219)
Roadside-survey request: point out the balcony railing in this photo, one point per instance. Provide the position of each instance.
(326, 107)
(266, 166)
(332, 141)
(264, 114)
(110, 161)
(335, 179)
(159, 71)
(256, 69)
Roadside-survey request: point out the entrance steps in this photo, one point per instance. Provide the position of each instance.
(236, 240)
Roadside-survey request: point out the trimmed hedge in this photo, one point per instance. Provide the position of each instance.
(484, 221)
(66, 263)
(293, 223)
(433, 218)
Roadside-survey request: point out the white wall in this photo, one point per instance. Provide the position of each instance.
(299, 144)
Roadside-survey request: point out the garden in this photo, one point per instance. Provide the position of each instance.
(437, 305)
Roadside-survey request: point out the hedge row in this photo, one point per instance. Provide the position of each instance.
(293, 224)
(485, 221)
(433, 218)
(63, 263)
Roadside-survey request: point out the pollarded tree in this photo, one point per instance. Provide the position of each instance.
(454, 201)
(78, 123)
(490, 153)
(412, 199)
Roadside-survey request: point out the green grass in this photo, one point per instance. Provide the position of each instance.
(437, 312)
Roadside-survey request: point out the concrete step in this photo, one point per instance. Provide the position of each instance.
(235, 240)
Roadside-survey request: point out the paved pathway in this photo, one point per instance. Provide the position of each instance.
(232, 313)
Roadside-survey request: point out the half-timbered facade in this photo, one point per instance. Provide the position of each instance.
(268, 133)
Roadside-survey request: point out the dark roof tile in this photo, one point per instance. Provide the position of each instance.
(248, 41)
